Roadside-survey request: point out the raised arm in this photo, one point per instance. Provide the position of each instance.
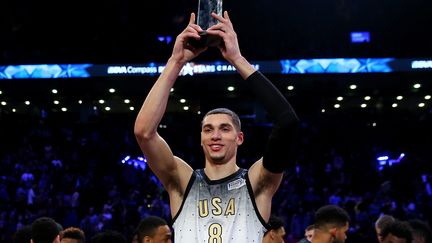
(173, 172)
(266, 174)
(229, 47)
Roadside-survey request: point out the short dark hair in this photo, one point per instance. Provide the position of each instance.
(22, 235)
(399, 229)
(235, 118)
(108, 236)
(148, 227)
(73, 233)
(44, 230)
(384, 220)
(330, 215)
(274, 223)
(421, 229)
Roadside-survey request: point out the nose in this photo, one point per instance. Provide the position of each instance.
(216, 135)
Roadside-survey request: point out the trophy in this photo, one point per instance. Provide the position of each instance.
(205, 21)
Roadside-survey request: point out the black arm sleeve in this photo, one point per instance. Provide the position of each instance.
(278, 152)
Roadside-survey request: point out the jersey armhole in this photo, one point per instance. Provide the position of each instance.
(188, 188)
(252, 197)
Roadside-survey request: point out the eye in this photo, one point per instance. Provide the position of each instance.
(207, 130)
(226, 129)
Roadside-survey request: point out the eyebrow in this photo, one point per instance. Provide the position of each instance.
(221, 125)
(225, 125)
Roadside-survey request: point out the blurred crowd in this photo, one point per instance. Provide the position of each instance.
(73, 172)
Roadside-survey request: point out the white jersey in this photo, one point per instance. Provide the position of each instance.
(218, 211)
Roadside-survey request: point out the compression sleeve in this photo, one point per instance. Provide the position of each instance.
(279, 147)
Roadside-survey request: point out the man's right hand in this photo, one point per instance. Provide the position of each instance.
(183, 51)
(229, 46)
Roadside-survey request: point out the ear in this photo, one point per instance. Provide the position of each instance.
(57, 239)
(240, 138)
(332, 232)
(272, 234)
(146, 239)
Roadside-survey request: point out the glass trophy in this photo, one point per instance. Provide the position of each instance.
(205, 21)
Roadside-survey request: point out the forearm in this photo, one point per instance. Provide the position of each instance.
(285, 122)
(154, 106)
(243, 67)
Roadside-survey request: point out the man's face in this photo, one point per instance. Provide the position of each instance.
(308, 234)
(219, 138)
(378, 232)
(280, 235)
(162, 235)
(339, 235)
(276, 235)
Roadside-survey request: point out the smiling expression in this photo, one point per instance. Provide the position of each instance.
(220, 138)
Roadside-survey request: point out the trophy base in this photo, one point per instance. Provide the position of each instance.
(206, 40)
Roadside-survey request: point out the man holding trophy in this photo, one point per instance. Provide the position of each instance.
(222, 202)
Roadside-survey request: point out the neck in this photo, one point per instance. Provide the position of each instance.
(219, 171)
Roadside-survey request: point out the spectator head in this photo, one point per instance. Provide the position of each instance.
(381, 223)
(45, 230)
(153, 229)
(331, 224)
(275, 232)
(397, 232)
(72, 235)
(421, 231)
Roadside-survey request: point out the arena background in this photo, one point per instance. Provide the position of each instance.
(83, 164)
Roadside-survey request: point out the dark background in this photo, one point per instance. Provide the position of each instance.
(116, 32)
(126, 31)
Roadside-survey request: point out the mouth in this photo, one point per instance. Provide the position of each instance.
(215, 147)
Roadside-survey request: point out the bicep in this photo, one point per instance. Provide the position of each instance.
(172, 171)
(262, 180)
(264, 185)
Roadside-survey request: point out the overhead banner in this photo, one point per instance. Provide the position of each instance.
(286, 66)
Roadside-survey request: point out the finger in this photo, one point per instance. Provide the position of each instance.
(218, 26)
(217, 32)
(192, 19)
(226, 15)
(224, 27)
(195, 27)
(190, 34)
(218, 17)
(227, 18)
